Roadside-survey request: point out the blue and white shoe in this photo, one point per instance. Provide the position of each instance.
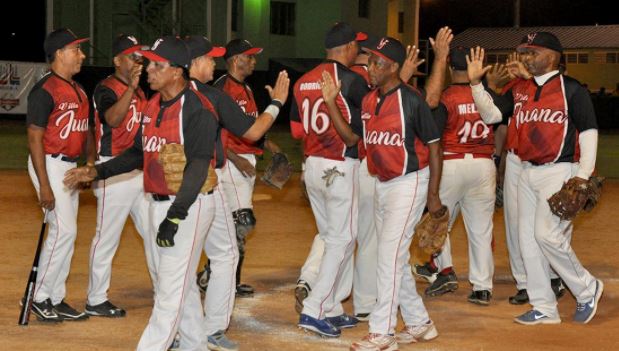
(343, 321)
(533, 317)
(319, 326)
(586, 311)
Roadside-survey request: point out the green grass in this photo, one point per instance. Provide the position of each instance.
(14, 148)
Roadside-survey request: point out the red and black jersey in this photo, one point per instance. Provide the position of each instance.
(241, 93)
(61, 107)
(464, 132)
(511, 141)
(309, 115)
(397, 127)
(362, 70)
(111, 141)
(548, 118)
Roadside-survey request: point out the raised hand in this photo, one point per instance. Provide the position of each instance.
(515, 67)
(280, 92)
(497, 77)
(440, 46)
(136, 72)
(409, 68)
(329, 88)
(475, 65)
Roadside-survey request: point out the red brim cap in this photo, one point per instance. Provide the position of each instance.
(78, 41)
(217, 51)
(252, 51)
(152, 56)
(381, 55)
(131, 50)
(361, 36)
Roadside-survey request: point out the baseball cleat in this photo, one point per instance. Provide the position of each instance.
(244, 290)
(480, 297)
(425, 272)
(176, 343)
(415, 333)
(533, 317)
(585, 311)
(301, 292)
(375, 342)
(343, 321)
(219, 342)
(362, 317)
(45, 312)
(557, 287)
(105, 309)
(321, 327)
(520, 298)
(69, 313)
(443, 284)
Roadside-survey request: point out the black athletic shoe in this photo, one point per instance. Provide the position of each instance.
(362, 317)
(480, 297)
(105, 309)
(425, 272)
(69, 313)
(244, 290)
(557, 287)
(443, 284)
(301, 292)
(520, 298)
(45, 312)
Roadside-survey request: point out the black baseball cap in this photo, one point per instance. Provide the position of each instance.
(169, 49)
(540, 40)
(240, 46)
(390, 49)
(457, 58)
(125, 45)
(60, 38)
(342, 33)
(201, 46)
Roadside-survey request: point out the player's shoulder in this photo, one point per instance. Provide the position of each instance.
(43, 82)
(573, 86)
(410, 92)
(221, 81)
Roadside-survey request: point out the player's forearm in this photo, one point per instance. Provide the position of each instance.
(129, 160)
(436, 81)
(260, 127)
(488, 111)
(37, 154)
(588, 142)
(343, 129)
(117, 112)
(436, 168)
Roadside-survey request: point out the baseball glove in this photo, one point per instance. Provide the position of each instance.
(432, 230)
(278, 172)
(172, 159)
(575, 196)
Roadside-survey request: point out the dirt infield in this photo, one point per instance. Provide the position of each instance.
(275, 253)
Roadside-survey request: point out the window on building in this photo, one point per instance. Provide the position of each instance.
(611, 57)
(400, 22)
(282, 17)
(364, 8)
(583, 58)
(572, 58)
(501, 58)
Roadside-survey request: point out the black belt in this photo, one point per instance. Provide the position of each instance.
(64, 158)
(159, 197)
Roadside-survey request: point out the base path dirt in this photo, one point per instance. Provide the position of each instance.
(275, 252)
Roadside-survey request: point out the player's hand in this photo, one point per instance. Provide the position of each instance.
(475, 65)
(245, 167)
(434, 204)
(329, 88)
(515, 67)
(280, 92)
(47, 199)
(497, 77)
(75, 176)
(409, 68)
(136, 72)
(440, 46)
(165, 233)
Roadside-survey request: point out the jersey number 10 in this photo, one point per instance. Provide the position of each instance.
(473, 131)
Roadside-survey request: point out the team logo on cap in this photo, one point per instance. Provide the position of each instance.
(133, 39)
(531, 37)
(156, 44)
(382, 43)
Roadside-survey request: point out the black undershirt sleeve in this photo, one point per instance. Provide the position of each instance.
(580, 108)
(127, 161)
(440, 117)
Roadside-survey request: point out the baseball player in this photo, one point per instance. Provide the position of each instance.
(403, 151)
(179, 220)
(57, 121)
(220, 245)
(118, 102)
(557, 141)
(331, 176)
(239, 175)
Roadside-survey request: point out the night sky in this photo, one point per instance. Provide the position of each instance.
(22, 37)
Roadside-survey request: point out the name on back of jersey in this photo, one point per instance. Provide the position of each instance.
(465, 109)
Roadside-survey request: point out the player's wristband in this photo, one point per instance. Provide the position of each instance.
(174, 220)
(273, 108)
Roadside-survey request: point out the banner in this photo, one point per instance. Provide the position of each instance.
(16, 81)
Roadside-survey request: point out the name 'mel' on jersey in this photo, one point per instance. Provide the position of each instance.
(549, 117)
(309, 115)
(112, 141)
(242, 94)
(397, 128)
(62, 108)
(465, 131)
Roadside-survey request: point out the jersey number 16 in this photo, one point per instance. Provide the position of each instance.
(317, 120)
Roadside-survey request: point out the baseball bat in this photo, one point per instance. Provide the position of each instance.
(24, 314)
